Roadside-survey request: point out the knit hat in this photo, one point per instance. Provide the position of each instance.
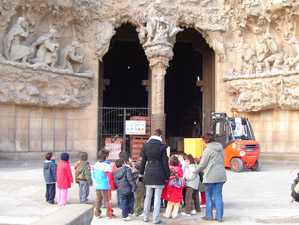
(65, 156)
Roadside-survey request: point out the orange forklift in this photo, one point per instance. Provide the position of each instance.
(237, 138)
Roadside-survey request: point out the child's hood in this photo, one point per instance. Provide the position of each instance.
(48, 163)
(82, 165)
(119, 173)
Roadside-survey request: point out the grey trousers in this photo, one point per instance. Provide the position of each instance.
(83, 191)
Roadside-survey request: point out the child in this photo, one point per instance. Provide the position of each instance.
(295, 190)
(50, 177)
(126, 186)
(192, 181)
(173, 193)
(103, 177)
(174, 163)
(84, 177)
(140, 191)
(201, 186)
(64, 178)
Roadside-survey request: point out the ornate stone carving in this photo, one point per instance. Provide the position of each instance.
(26, 86)
(14, 49)
(270, 92)
(69, 58)
(46, 50)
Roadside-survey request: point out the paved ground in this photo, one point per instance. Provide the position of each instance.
(249, 197)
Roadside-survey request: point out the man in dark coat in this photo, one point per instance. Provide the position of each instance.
(157, 173)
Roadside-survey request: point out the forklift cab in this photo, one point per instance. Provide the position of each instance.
(228, 129)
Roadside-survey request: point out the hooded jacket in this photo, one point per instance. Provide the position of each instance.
(212, 163)
(102, 174)
(83, 172)
(64, 175)
(49, 171)
(174, 189)
(124, 181)
(191, 177)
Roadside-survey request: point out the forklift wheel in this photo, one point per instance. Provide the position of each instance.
(257, 165)
(236, 165)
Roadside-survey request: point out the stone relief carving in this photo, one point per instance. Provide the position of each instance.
(14, 49)
(45, 50)
(69, 58)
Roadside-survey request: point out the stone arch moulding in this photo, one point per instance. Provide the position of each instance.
(255, 41)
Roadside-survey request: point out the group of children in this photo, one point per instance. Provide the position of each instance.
(183, 185)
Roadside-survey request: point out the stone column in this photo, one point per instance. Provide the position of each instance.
(158, 56)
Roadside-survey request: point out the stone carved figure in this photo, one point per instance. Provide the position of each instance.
(104, 32)
(248, 60)
(153, 18)
(275, 54)
(294, 62)
(14, 50)
(47, 50)
(69, 59)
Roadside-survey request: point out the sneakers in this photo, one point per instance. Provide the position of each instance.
(165, 216)
(185, 214)
(203, 206)
(174, 217)
(127, 218)
(193, 212)
(108, 217)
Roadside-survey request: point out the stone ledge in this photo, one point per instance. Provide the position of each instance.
(34, 155)
(72, 214)
(280, 158)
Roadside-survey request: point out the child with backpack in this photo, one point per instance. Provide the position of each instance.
(173, 193)
(84, 177)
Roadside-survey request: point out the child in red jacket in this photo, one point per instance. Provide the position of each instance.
(173, 193)
(64, 178)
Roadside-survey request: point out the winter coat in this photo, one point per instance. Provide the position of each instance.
(174, 189)
(140, 191)
(212, 163)
(124, 181)
(191, 177)
(295, 192)
(84, 172)
(178, 170)
(64, 175)
(102, 174)
(50, 171)
(75, 168)
(157, 169)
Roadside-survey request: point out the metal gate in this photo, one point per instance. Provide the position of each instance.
(112, 131)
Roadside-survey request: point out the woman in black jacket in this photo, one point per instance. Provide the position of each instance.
(157, 173)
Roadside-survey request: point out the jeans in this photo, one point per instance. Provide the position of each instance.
(218, 199)
(157, 203)
(127, 204)
(50, 193)
(83, 191)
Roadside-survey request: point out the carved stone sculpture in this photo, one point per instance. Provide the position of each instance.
(14, 50)
(47, 50)
(69, 58)
(104, 32)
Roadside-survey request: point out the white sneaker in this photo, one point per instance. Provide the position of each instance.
(127, 218)
(193, 212)
(185, 214)
(202, 206)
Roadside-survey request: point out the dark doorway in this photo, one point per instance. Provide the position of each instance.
(125, 65)
(183, 99)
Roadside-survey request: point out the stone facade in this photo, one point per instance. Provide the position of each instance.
(50, 52)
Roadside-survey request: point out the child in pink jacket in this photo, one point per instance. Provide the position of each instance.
(64, 178)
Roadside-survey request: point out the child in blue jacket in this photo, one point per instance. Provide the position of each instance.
(102, 174)
(50, 177)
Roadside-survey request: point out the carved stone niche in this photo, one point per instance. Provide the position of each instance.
(260, 93)
(23, 85)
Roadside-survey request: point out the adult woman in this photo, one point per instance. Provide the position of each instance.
(157, 173)
(214, 176)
